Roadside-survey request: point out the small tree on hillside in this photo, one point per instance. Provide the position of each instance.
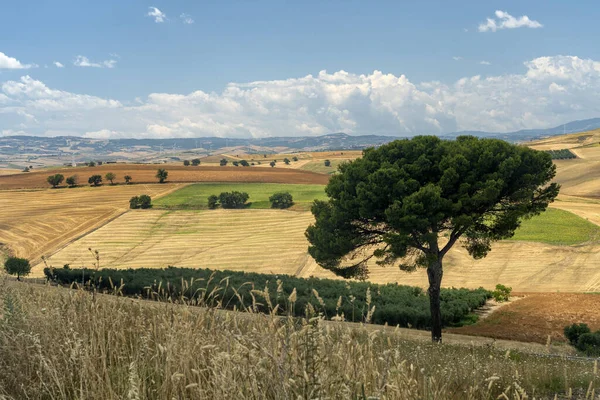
(286, 161)
(127, 179)
(235, 163)
(272, 164)
(327, 163)
(72, 181)
(144, 201)
(409, 201)
(17, 266)
(162, 175)
(95, 180)
(244, 163)
(281, 200)
(295, 158)
(186, 163)
(223, 162)
(91, 164)
(195, 162)
(55, 180)
(110, 177)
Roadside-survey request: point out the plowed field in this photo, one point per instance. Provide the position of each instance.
(145, 173)
(537, 316)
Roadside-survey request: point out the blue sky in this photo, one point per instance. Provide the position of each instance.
(279, 42)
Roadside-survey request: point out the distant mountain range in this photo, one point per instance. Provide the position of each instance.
(12, 147)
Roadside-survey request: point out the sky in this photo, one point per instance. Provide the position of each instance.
(183, 68)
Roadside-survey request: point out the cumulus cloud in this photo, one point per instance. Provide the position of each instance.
(158, 15)
(485, 62)
(457, 58)
(548, 92)
(186, 19)
(7, 62)
(58, 64)
(506, 21)
(83, 61)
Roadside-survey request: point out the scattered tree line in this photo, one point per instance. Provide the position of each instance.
(194, 163)
(351, 301)
(562, 154)
(233, 199)
(97, 179)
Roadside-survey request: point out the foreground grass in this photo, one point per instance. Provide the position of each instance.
(557, 227)
(61, 343)
(195, 196)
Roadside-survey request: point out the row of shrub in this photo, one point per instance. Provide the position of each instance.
(391, 303)
(562, 154)
(237, 199)
(94, 180)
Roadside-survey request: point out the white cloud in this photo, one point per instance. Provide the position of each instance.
(457, 58)
(7, 62)
(186, 18)
(83, 61)
(58, 65)
(485, 62)
(158, 15)
(549, 91)
(506, 21)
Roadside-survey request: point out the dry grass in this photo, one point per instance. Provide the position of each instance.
(57, 343)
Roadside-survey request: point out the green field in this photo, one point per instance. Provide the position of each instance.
(195, 196)
(557, 227)
(319, 166)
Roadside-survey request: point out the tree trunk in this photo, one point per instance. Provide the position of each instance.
(434, 273)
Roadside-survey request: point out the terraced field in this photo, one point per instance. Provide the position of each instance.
(37, 222)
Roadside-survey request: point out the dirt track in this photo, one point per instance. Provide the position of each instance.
(145, 173)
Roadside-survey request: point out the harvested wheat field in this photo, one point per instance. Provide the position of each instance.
(267, 241)
(535, 316)
(272, 241)
(37, 222)
(145, 173)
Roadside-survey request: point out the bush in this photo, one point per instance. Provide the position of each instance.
(72, 181)
(244, 163)
(213, 201)
(281, 200)
(327, 163)
(127, 179)
(573, 332)
(186, 163)
(233, 199)
(223, 162)
(91, 164)
(95, 180)
(143, 201)
(286, 161)
(272, 164)
(394, 304)
(589, 343)
(195, 162)
(235, 163)
(295, 158)
(502, 293)
(17, 266)
(55, 180)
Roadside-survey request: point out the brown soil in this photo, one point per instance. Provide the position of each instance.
(145, 173)
(537, 316)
